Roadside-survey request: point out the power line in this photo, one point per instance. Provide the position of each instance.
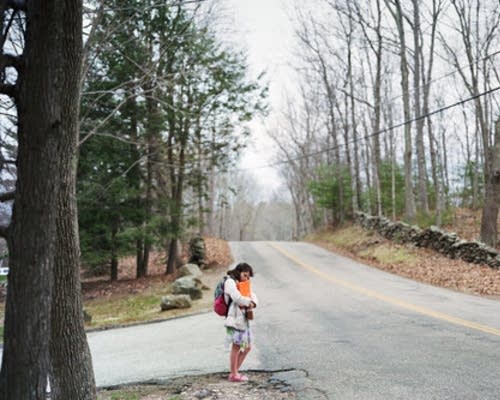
(451, 73)
(411, 89)
(439, 110)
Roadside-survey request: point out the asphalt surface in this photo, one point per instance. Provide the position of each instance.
(347, 331)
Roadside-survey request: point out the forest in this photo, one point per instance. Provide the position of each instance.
(396, 113)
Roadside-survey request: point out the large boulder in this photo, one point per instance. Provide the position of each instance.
(190, 269)
(172, 301)
(188, 285)
(197, 251)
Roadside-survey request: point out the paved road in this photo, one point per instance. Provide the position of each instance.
(350, 332)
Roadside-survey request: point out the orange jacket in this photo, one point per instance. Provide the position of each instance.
(245, 288)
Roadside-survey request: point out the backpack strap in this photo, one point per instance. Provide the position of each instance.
(224, 294)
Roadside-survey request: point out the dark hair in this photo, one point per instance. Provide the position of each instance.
(236, 271)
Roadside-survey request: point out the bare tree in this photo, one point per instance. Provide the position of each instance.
(396, 11)
(297, 141)
(477, 28)
(417, 100)
(372, 33)
(437, 7)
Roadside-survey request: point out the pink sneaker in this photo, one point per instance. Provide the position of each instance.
(237, 378)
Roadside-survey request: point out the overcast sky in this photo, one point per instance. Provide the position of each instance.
(262, 27)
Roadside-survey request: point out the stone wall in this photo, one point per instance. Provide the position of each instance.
(445, 243)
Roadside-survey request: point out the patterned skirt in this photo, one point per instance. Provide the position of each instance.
(239, 338)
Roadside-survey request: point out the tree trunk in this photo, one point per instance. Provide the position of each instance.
(145, 259)
(357, 179)
(177, 182)
(72, 374)
(427, 79)
(135, 176)
(489, 217)
(350, 168)
(409, 196)
(377, 95)
(421, 167)
(332, 130)
(210, 226)
(174, 255)
(492, 195)
(47, 106)
(476, 176)
(114, 256)
(152, 150)
(175, 214)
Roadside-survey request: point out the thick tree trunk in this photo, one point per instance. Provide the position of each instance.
(492, 196)
(489, 217)
(174, 255)
(72, 374)
(47, 105)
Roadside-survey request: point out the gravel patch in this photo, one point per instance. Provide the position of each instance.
(261, 385)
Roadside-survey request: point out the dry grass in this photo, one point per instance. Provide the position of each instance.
(423, 265)
(131, 300)
(122, 309)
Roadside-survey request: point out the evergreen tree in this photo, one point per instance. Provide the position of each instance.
(171, 101)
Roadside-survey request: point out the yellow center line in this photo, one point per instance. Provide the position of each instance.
(388, 299)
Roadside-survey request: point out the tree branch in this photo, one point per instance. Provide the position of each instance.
(17, 4)
(9, 60)
(4, 231)
(7, 89)
(7, 196)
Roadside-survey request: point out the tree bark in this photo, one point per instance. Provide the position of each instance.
(72, 375)
(422, 171)
(378, 111)
(42, 284)
(357, 178)
(409, 196)
(492, 196)
(114, 255)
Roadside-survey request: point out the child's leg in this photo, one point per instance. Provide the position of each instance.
(241, 357)
(233, 359)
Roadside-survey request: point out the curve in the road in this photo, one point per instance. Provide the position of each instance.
(388, 299)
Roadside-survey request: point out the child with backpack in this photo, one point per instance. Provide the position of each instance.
(239, 335)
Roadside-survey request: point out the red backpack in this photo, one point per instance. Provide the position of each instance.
(220, 306)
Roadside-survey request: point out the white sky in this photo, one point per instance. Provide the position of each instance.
(263, 29)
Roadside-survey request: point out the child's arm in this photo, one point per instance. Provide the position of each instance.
(254, 298)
